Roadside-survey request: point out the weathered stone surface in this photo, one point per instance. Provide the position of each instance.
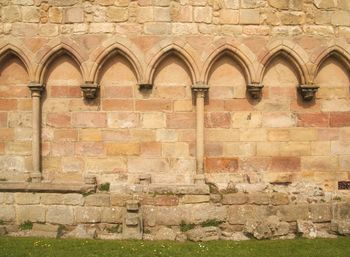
(342, 227)
(320, 212)
(97, 200)
(188, 199)
(112, 215)
(269, 228)
(33, 213)
(237, 198)
(241, 214)
(6, 198)
(203, 234)
(60, 215)
(164, 233)
(293, 212)
(62, 199)
(7, 213)
(87, 214)
(81, 232)
(341, 211)
(306, 228)
(3, 230)
(279, 199)
(27, 198)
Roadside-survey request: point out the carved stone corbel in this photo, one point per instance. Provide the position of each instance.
(89, 90)
(255, 90)
(308, 92)
(145, 87)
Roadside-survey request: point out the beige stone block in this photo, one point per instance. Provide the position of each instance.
(106, 165)
(63, 2)
(243, 149)
(27, 198)
(19, 148)
(340, 147)
(325, 4)
(222, 135)
(33, 213)
(192, 199)
(117, 14)
(183, 106)
(279, 4)
(112, 215)
(72, 15)
(344, 162)
(123, 120)
(203, 14)
(123, 148)
(12, 163)
(246, 119)
(295, 149)
(292, 18)
(62, 199)
(143, 135)
(321, 148)
(268, 148)
(249, 16)
(166, 135)
(48, 30)
(23, 134)
(60, 215)
(319, 163)
(97, 200)
(30, 14)
(101, 28)
(90, 135)
(7, 198)
(157, 28)
(138, 165)
(87, 214)
(228, 16)
(303, 134)
(286, 31)
(153, 120)
(278, 135)
(20, 119)
(341, 18)
(175, 150)
(319, 30)
(55, 15)
(161, 14)
(253, 134)
(7, 213)
(144, 14)
(10, 13)
(335, 105)
(72, 164)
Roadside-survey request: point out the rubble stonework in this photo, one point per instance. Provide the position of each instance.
(221, 119)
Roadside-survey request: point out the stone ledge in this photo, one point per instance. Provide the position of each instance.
(46, 187)
(178, 189)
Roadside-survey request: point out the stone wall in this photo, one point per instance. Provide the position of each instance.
(112, 90)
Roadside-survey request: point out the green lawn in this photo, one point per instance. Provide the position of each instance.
(23, 247)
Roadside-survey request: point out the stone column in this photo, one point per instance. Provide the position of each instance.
(200, 91)
(36, 90)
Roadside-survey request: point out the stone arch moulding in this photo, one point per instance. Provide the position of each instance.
(9, 49)
(113, 50)
(166, 51)
(297, 57)
(46, 59)
(242, 58)
(335, 51)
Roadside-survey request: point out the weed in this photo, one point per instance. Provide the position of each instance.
(104, 187)
(3, 179)
(211, 223)
(85, 194)
(186, 227)
(146, 231)
(2, 222)
(60, 230)
(29, 179)
(337, 198)
(27, 225)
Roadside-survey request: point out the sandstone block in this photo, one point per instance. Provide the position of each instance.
(30, 14)
(33, 213)
(7, 213)
(101, 28)
(62, 199)
(106, 165)
(112, 215)
(123, 148)
(203, 234)
(285, 164)
(234, 199)
(341, 211)
(97, 200)
(165, 233)
(55, 15)
(175, 149)
(60, 215)
(123, 120)
(27, 198)
(92, 120)
(259, 198)
(87, 214)
(82, 232)
(203, 14)
(117, 14)
(48, 30)
(279, 199)
(221, 165)
(189, 199)
(6, 198)
(292, 212)
(241, 214)
(153, 120)
(320, 212)
(249, 16)
(157, 28)
(73, 15)
(11, 13)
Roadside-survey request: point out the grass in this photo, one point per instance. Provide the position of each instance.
(104, 187)
(186, 226)
(27, 225)
(25, 247)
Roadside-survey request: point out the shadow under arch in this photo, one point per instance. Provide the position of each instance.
(178, 52)
(291, 57)
(51, 56)
(9, 50)
(242, 60)
(335, 52)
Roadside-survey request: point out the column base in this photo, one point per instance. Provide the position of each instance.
(35, 177)
(199, 179)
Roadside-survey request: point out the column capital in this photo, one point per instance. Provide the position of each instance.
(255, 90)
(200, 88)
(308, 92)
(89, 90)
(36, 89)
